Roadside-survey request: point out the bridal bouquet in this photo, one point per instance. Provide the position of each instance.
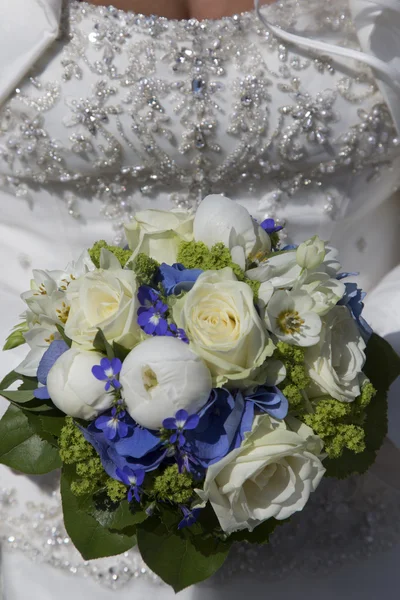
(194, 388)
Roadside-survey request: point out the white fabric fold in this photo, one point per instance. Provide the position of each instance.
(377, 23)
(28, 27)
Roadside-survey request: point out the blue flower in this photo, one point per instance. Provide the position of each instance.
(139, 449)
(52, 354)
(270, 226)
(177, 279)
(270, 400)
(134, 479)
(182, 422)
(174, 331)
(222, 425)
(189, 516)
(151, 315)
(112, 424)
(353, 299)
(107, 371)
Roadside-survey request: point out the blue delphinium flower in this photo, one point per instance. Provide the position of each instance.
(353, 299)
(107, 371)
(52, 354)
(113, 424)
(174, 331)
(180, 423)
(134, 479)
(189, 516)
(176, 278)
(222, 425)
(270, 226)
(151, 314)
(270, 400)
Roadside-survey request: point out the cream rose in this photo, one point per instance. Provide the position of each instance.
(107, 300)
(224, 328)
(271, 475)
(158, 233)
(335, 363)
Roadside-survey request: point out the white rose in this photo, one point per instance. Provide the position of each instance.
(158, 233)
(224, 328)
(161, 376)
(324, 290)
(219, 219)
(310, 253)
(107, 300)
(74, 389)
(271, 475)
(335, 364)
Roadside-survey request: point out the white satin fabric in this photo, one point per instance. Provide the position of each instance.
(38, 234)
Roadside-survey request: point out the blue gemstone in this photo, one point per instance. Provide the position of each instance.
(198, 86)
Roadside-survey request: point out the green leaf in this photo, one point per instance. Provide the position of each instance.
(15, 339)
(382, 368)
(101, 345)
(18, 396)
(120, 351)
(10, 379)
(122, 517)
(259, 535)
(47, 426)
(21, 448)
(178, 557)
(61, 331)
(92, 539)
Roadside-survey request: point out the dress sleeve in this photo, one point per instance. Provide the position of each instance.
(28, 28)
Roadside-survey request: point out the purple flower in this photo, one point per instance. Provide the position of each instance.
(108, 371)
(353, 299)
(270, 400)
(52, 354)
(182, 422)
(174, 331)
(134, 479)
(112, 424)
(151, 315)
(177, 279)
(189, 516)
(270, 226)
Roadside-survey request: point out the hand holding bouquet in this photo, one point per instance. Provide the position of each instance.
(194, 388)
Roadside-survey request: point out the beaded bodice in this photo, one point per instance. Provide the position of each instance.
(142, 111)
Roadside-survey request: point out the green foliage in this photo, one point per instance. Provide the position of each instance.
(101, 344)
(61, 331)
(89, 536)
(122, 255)
(172, 486)
(259, 535)
(179, 557)
(382, 368)
(21, 448)
(73, 446)
(116, 490)
(196, 255)
(16, 337)
(145, 269)
(297, 378)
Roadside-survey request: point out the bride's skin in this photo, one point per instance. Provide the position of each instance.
(184, 9)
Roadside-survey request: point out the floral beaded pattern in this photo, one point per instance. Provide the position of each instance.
(192, 107)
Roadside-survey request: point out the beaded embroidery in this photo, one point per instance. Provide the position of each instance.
(191, 107)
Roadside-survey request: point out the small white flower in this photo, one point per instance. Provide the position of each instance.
(219, 219)
(323, 289)
(161, 376)
(39, 337)
(291, 317)
(311, 253)
(74, 389)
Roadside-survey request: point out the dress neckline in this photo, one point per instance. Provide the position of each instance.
(183, 22)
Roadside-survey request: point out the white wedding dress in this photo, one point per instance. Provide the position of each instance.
(105, 112)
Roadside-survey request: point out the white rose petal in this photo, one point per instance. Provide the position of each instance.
(74, 389)
(270, 476)
(161, 376)
(224, 328)
(219, 219)
(335, 364)
(107, 300)
(158, 233)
